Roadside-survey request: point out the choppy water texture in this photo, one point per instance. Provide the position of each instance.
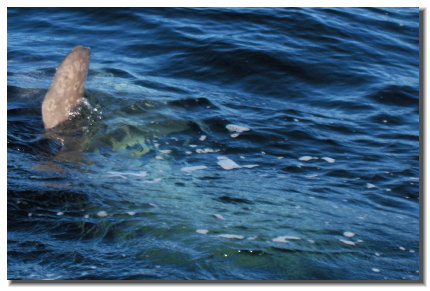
(220, 144)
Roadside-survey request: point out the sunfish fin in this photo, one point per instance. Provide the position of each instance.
(67, 88)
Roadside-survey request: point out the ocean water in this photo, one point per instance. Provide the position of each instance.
(217, 144)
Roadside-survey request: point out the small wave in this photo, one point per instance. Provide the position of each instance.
(234, 200)
(396, 96)
(193, 103)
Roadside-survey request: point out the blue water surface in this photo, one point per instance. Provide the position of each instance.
(217, 144)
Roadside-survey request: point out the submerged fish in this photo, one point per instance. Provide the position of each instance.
(70, 119)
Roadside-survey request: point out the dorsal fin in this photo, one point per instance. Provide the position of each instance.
(67, 88)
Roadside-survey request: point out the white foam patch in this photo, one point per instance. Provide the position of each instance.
(232, 236)
(202, 231)
(236, 128)
(60, 213)
(370, 186)
(285, 239)
(165, 151)
(376, 270)
(202, 138)
(250, 166)
(348, 234)
(131, 213)
(307, 158)
(226, 163)
(116, 174)
(102, 214)
(329, 160)
(206, 150)
(348, 242)
(234, 135)
(280, 239)
(193, 168)
(156, 180)
(219, 216)
(124, 174)
(139, 174)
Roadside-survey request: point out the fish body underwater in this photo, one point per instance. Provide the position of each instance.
(71, 120)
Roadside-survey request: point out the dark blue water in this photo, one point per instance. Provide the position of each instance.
(220, 144)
